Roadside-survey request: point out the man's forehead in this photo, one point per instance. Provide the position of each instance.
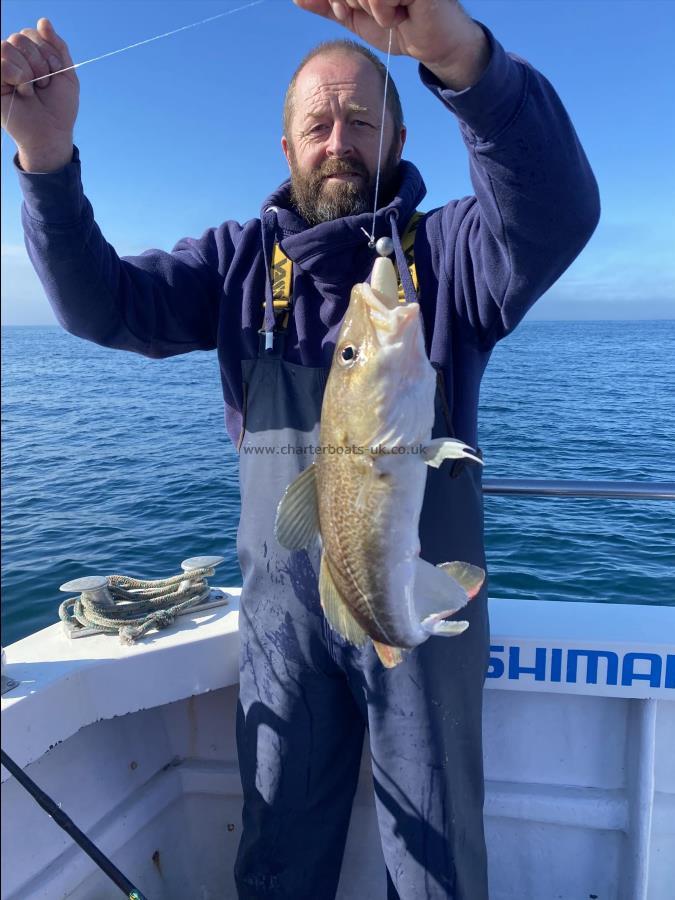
(336, 71)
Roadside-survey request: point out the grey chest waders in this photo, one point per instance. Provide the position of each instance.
(306, 695)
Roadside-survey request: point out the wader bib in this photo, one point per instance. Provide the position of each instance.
(306, 694)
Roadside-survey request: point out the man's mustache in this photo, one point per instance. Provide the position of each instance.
(342, 167)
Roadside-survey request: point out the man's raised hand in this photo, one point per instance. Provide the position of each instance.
(43, 114)
(437, 33)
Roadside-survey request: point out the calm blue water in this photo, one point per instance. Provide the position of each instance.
(115, 463)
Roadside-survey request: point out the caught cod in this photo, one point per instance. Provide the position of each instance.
(363, 494)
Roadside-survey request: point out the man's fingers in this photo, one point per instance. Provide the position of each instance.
(319, 7)
(386, 13)
(47, 49)
(10, 76)
(368, 18)
(47, 32)
(390, 13)
(37, 64)
(38, 53)
(44, 51)
(15, 67)
(13, 61)
(334, 10)
(339, 10)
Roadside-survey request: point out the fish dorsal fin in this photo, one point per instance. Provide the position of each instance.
(335, 609)
(389, 656)
(297, 521)
(470, 577)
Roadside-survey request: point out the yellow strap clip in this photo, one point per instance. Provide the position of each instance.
(282, 273)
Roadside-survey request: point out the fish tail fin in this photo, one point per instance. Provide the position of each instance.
(470, 577)
(441, 591)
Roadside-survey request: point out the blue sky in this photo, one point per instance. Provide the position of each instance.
(183, 133)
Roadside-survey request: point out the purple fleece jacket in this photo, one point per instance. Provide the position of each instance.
(482, 261)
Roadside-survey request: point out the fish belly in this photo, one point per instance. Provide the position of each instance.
(369, 512)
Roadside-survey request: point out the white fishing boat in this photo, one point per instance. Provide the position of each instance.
(136, 743)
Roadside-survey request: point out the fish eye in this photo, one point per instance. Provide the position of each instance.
(347, 354)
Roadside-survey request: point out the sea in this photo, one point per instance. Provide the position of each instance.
(113, 463)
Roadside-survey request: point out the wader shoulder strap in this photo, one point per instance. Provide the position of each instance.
(282, 272)
(408, 245)
(282, 285)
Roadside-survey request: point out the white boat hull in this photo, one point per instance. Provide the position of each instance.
(137, 744)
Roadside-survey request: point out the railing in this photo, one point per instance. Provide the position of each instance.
(612, 490)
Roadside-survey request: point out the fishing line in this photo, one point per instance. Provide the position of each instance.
(157, 37)
(146, 41)
(371, 236)
(9, 113)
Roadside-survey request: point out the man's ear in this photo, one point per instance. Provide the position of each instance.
(284, 147)
(402, 136)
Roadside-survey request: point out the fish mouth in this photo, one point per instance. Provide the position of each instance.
(387, 322)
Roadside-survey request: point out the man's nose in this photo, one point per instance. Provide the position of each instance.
(338, 143)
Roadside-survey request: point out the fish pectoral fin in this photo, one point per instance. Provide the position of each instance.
(435, 451)
(336, 610)
(470, 577)
(436, 594)
(389, 656)
(297, 521)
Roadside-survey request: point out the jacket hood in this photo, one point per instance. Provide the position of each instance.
(335, 246)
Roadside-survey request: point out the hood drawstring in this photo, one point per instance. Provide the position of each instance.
(404, 272)
(268, 227)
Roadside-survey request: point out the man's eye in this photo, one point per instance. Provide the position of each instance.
(361, 123)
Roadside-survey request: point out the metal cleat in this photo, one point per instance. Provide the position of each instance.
(201, 562)
(92, 587)
(216, 596)
(8, 684)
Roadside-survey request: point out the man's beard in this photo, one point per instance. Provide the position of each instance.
(318, 200)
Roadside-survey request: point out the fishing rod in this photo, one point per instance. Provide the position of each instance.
(66, 823)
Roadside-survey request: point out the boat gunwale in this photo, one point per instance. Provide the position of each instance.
(66, 685)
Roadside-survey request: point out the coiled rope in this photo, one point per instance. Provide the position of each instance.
(137, 605)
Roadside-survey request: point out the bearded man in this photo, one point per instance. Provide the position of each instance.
(307, 695)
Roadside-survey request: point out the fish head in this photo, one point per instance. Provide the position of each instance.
(381, 384)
